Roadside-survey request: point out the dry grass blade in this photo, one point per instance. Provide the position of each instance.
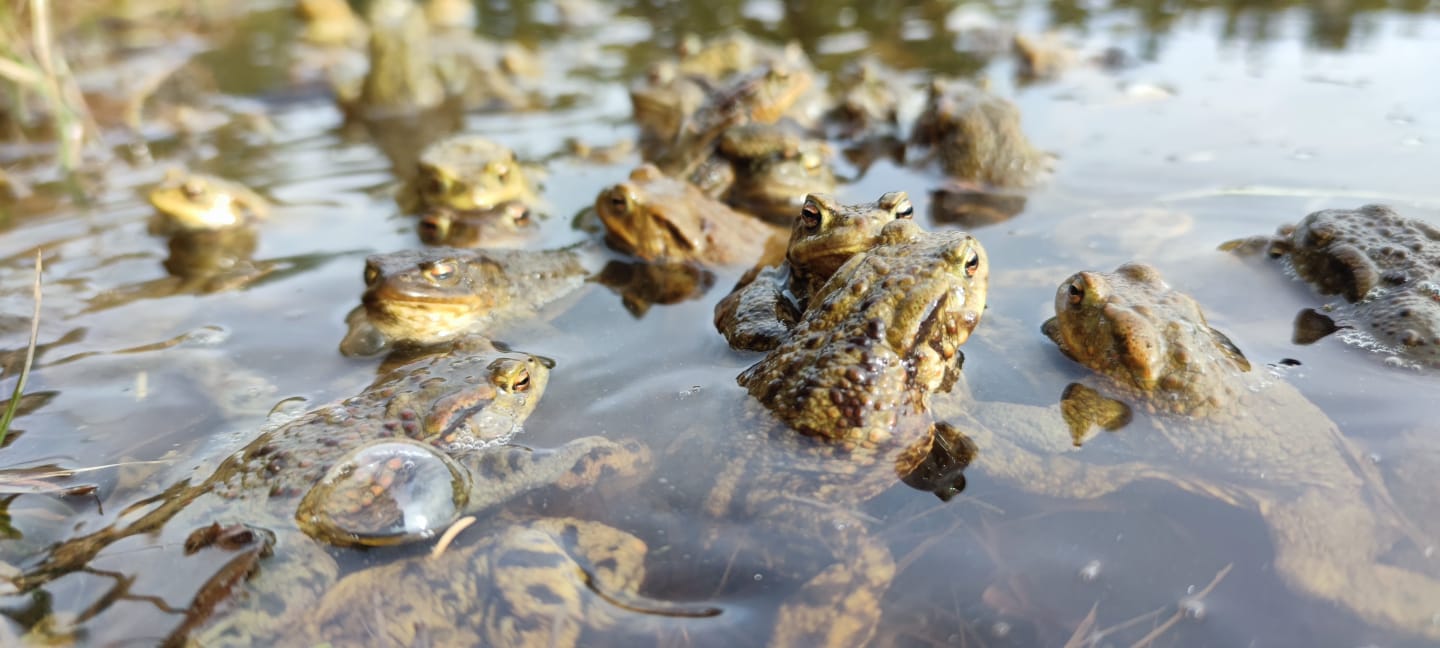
(29, 357)
(450, 534)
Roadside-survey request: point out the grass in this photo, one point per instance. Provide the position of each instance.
(9, 415)
(32, 64)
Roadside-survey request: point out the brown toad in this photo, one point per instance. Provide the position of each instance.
(468, 172)
(661, 219)
(774, 167)
(767, 302)
(1213, 427)
(194, 201)
(431, 296)
(977, 136)
(1385, 266)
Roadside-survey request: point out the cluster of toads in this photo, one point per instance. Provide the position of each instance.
(860, 314)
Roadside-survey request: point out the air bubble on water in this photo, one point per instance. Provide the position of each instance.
(207, 336)
(694, 389)
(1193, 609)
(1090, 571)
(1000, 630)
(759, 576)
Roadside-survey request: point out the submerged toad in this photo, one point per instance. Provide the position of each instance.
(399, 462)
(977, 136)
(506, 225)
(435, 295)
(194, 201)
(469, 172)
(1385, 266)
(658, 218)
(1214, 428)
(768, 301)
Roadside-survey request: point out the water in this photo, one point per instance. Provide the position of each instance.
(1230, 122)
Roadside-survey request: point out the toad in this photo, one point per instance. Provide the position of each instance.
(661, 219)
(1386, 268)
(768, 301)
(432, 296)
(468, 172)
(976, 136)
(774, 169)
(194, 201)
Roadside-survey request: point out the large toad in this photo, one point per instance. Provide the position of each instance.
(399, 462)
(1385, 266)
(427, 297)
(1212, 426)
(768, 301)
(662, 219)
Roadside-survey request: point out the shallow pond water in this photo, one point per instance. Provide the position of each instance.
(1228, 122)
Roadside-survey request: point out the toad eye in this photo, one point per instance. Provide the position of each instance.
(972, 263)
(439, 271)
(810, 215)
(192, 189)
(511, 375)
(372, 275)
(520, 215)
(906, 210)
(1075, 293)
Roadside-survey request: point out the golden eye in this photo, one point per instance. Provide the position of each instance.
(810, 215)
(519, 214)
(1076, 292)
(439, 271)
(906, 210)
(510, 375)
(372, 275)
(972, 263)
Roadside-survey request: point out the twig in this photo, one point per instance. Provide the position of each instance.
(29, 357)
(449, 535)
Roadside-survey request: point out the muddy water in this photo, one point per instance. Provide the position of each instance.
(1227, 123)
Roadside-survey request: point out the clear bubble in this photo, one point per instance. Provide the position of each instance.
(385, 493)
